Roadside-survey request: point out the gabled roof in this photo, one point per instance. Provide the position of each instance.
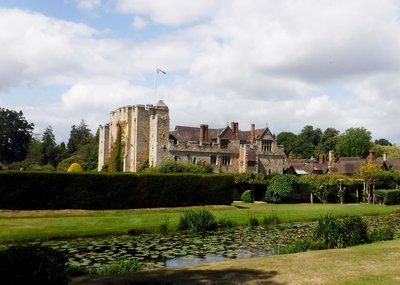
(184, 133)
(346, 165)
(227, 133)
(308, 166)
(393, 163)
(266, 135)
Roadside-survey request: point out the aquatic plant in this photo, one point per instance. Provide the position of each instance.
(197, 221)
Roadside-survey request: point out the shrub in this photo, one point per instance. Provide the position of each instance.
(164, 227)
(301, 245)
(280, 188)
(171, 166)
(119, 267)
(33, 264)
(253, 222)
(353, 230)
(387, 196)
(381, 234)
(246, 196)
(197, 221)
(224, 223)
(337, 233)
(74, 167)
(271, 220)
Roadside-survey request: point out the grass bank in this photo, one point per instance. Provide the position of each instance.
(31, 225)
(366, 264)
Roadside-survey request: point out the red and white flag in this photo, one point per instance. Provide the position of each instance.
(159, 70)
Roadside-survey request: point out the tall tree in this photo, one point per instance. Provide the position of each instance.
(78, 135)
(287, 139)
(354, 142)
(50, 151)
(311, 135)
(15, 135)
(383, 142)
(327, 142)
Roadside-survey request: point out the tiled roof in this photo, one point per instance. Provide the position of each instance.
(346, 165)
(184, 133)
(394, 163)
(308, 166)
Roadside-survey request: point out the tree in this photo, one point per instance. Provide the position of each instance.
(327, 142)
(323, 185)
(383, 142)
(15, 135)
(311, 135)
(78, 135)
(280, 188)
(50, 151)
(390, 150)
(354, 142)
(368, 172)
(305, 143)
(287, 139)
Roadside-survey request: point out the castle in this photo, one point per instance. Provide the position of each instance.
(145, 137)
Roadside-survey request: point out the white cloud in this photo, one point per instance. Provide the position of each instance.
(88, 5)
(253, 61)
(139, 23)
(171, 12)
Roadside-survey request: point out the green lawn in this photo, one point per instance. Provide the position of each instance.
(29, 225)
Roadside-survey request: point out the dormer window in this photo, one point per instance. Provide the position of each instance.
(266, 145)
(224, 144)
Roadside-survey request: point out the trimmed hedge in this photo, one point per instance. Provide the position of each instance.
(387, 196)
(95, 191)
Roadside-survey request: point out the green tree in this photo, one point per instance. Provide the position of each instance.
(305, 143)
(15, 135)
(280, 188)
(323, 185)
(34, 154)
(327, 142)
(354, 142)
(390, 150)
(383, 142)
(78, 135)
(287, 139)
(368, 172)
(50, 151)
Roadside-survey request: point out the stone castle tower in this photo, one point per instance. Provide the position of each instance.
(144, 132)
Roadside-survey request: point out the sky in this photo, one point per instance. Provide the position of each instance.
(283, 64)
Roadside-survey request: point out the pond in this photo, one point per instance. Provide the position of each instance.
(156, 250)
(161, 250)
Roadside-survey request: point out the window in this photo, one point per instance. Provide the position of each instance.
(213, 159)
(251, 163)
(266, 145)
(194, 160)
(225, 160)
(224, 144)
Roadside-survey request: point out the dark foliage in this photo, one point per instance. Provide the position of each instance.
(33, 264)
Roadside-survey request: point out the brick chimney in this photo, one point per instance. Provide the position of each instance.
(321, 158)
(253, 133)
(371, 156)
(235, 128)
(203, 133)
(331, 158)
(385, 157)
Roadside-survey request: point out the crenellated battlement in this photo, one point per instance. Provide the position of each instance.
(146, 138)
